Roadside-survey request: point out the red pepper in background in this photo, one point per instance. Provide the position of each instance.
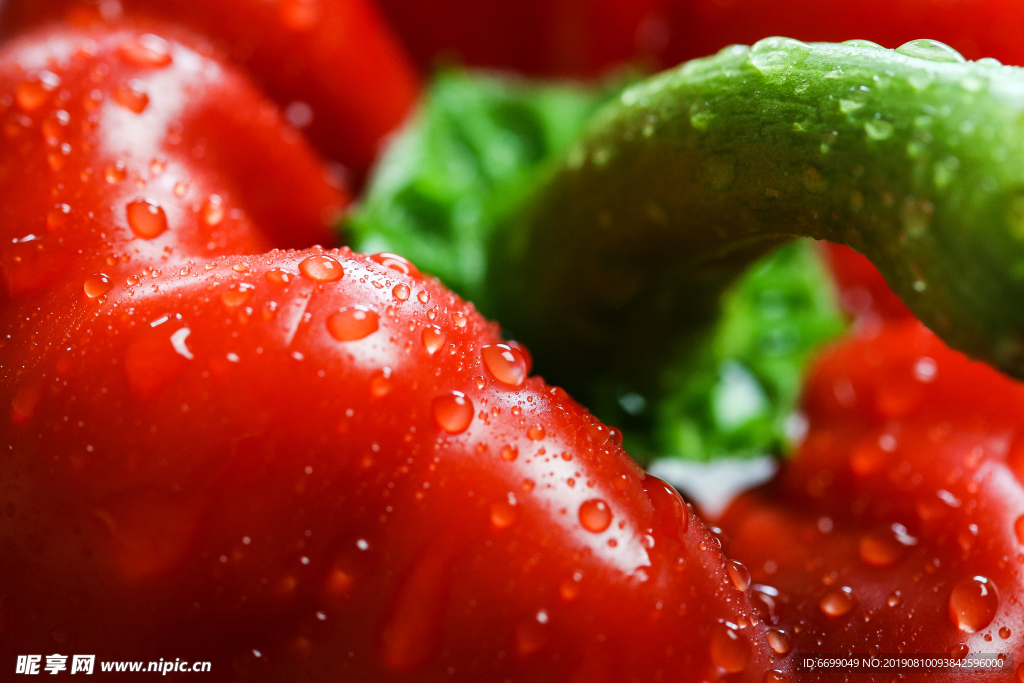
(581, 38)
(333, 65)
(540, 37)
(976, 28)
(303, 463)
(318, 463)
(899, 525)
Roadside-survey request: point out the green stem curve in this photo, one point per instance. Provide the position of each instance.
(621, 256)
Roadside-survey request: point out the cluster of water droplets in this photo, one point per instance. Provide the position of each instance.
(972, 600)
(40, 99)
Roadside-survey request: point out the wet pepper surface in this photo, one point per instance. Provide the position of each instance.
(318, 463)
(898, 526)
(332, 65)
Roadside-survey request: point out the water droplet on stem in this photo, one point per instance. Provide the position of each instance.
(931, 50)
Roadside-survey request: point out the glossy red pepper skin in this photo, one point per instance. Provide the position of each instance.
(311, 505)
(91, 129)
(299, 464)
(908, 492)
(336, 56)
(182, 471)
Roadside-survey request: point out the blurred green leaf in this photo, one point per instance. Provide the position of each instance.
(737, 393)
(472, 153)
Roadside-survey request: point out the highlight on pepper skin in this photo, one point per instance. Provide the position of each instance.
(333, 66)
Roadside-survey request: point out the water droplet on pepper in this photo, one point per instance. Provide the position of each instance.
(352, 323)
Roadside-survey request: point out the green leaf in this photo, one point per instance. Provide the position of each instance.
(473, 152)
(737, 393)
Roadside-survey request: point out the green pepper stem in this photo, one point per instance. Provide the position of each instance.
(621, 256)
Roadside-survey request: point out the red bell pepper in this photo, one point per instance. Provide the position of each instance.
(899, 525)
(570, 37)
(333, 65)
(320, 464)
